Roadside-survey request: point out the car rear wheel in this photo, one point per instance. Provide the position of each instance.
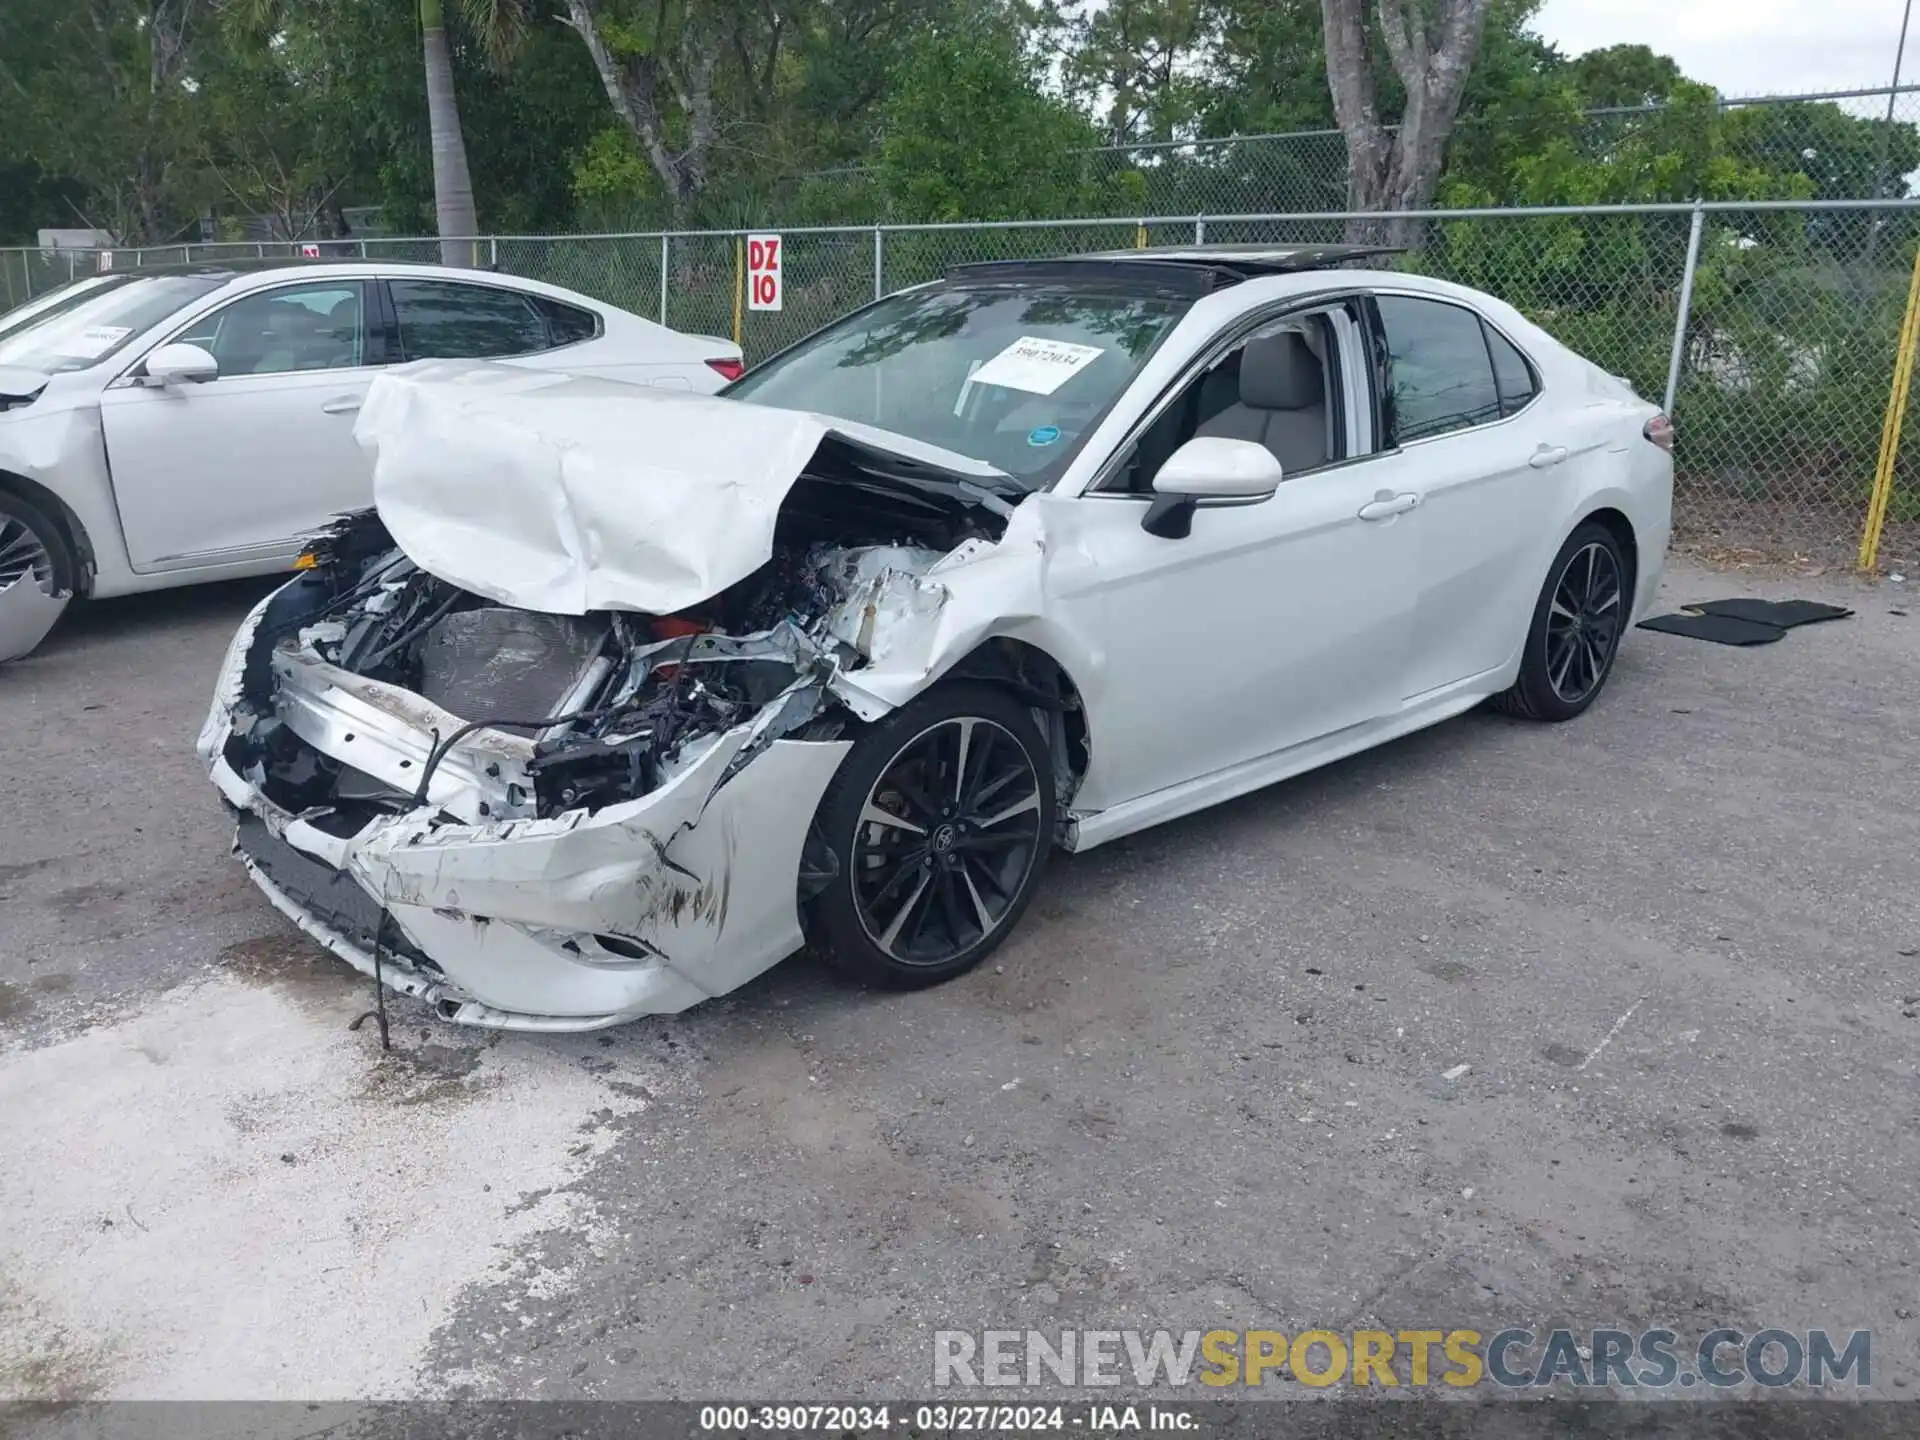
(1577, 625)
(36, 575)
(939, 823)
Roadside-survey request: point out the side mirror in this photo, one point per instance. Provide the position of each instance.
(1208, 467)
(181, 364)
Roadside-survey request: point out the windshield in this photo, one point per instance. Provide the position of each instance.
(75, 335)
(1015, 376)
(45, 303)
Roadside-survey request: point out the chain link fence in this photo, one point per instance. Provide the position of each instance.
(1770, 330)
(1766, 138)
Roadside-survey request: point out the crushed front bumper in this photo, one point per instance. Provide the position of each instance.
(571, 923)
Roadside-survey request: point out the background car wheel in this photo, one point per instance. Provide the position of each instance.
(939, 822)
(1577, 625)
(35, 565)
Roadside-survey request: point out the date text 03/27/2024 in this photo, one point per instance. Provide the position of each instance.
(841, 1420)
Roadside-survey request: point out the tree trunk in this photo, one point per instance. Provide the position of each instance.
(634, 85)
(1398, 168)
(452, 184)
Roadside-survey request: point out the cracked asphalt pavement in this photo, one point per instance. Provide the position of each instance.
(1214, 1080)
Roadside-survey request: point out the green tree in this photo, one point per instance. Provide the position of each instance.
(968, 134)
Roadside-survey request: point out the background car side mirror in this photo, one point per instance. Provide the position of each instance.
(1208, 467)
(181, 364)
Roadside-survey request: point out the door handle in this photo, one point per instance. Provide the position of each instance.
(1547, 456)
(340, 405)
(1386, 505)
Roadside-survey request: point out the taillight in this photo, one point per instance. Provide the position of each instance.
(1660, 431)
(732, 369)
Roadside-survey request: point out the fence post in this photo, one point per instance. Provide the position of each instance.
(493, 252)
(1686, 307)
(1200, 231)
(666, 256)
(739, 285)
(1890, 428)
(879, 263)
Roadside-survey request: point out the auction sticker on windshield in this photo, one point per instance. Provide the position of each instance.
(1037, 365)
(93, 342)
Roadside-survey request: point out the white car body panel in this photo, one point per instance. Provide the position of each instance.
(1360, 602)
(179, 484)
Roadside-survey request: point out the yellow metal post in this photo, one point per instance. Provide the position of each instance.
(1890, 428)
(739, 285)
(1140, 236)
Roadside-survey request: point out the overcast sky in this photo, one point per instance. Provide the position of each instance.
(1749, 47)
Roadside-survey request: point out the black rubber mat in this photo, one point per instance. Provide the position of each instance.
(1784, 613)
(1720, 629)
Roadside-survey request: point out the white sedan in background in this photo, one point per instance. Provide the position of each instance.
(170, 426)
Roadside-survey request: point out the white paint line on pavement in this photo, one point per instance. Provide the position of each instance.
(158, 1246)
(1607, 1039)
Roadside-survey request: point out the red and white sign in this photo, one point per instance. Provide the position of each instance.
(763, 272)
(309, 252)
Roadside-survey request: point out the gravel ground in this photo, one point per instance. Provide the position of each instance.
(1206, 1085)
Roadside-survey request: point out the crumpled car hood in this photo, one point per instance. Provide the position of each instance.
(570, 494)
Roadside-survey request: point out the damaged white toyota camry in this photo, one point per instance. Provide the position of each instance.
(620, 695)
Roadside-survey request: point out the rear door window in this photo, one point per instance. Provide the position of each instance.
(1442, 375)
(1511, 373)
(447, 320)
(568, 324)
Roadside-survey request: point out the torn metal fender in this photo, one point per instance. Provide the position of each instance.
(914, 628)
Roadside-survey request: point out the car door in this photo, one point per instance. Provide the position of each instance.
(239, 467)
(1467, 437)
(1268, 625)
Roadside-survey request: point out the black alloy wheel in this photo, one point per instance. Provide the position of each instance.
(940, 821)
(1578, 622)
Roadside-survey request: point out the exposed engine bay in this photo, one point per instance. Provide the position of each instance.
(606, 705)
(543, 739)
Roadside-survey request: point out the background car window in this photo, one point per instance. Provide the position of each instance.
(1442, 377)
(1511, 372)
(280, 332)
(442, 320)
(568, 324)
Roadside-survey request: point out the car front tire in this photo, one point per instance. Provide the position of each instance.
(1577, 626)
(33, 553)
(939, 824)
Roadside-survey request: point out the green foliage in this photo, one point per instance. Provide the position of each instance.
(968, 135)
(143, 115)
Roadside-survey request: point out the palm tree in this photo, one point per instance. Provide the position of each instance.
(452, 183)
(500, 26)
